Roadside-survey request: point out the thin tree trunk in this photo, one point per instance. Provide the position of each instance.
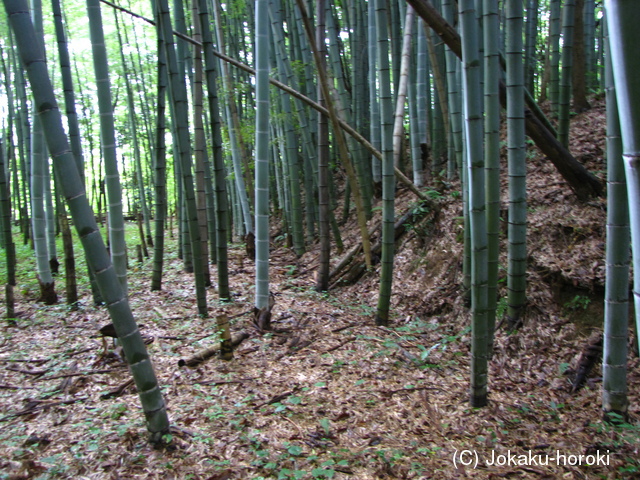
(554, 55)
(590, 56)
(262, 153)
(441, 125)
(478, 227)
(453, 93)
(388, 180)
(71, 285)
(517, 233)
(414, 124)
(401, 87)
(160, 171)
(322, 280)
(290, 151)
(531, 33)
(5, 227)
(564, 100)
(624, 37)
(117, 243)
(491, 23)
(220, 175)
(374, 98)
(134, 135)
(616, 310)
(39, 159)
(200, 146)
(580, 79)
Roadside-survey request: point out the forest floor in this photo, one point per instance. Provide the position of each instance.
(328, 394)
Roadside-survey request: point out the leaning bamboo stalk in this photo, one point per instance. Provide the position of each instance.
(84, 220)
(339, 136)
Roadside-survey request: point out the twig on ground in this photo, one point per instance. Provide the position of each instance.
(341, 344)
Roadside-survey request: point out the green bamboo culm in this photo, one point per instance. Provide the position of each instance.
(530, 47)
(322, 282)
(477, 220)
(457, 160)
(6, 237)
(591, 59)
(414, 128)
(201, 164)
(117, 243)
(220, 177)
(491, 23)
(624, 36)
(180, 103)
(516, 143)
(402, 88)
(554, 55)
(388, 173)
(423, 85)
(616, 295)
(72, 188)
(453, 92)
(564, 98)
(160, 167)
(39, 175)
(262, 153)
(360, 96)
(374, 98)
(39, 179)
(67, 83)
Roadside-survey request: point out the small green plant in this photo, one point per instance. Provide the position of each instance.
(579, 302)
(288, 473)
(118, 410)
(621, 434)
(425, 352)
(295, 450)
(291, 269)
(501, 308)
(434, 194)
(326, 426)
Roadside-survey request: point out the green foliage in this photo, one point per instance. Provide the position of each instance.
(501, 307)
(117, 411)
(433, 194)
(579, 302)
(294, 450)
(326, 425)
(621, 435)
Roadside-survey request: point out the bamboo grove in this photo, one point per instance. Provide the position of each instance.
(228, 117)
